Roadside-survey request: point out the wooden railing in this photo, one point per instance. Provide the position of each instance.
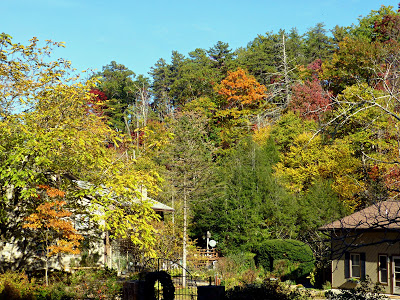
(203, 257)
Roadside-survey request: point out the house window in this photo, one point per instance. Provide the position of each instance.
(355, 265)
(383, 269)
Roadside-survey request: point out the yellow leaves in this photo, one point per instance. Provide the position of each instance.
(57, 135)
(309, 159)
(261, 135)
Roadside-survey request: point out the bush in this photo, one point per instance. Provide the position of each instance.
(266, 291)
(238, 269)
(87, 284)
(288, 259)
(16, 286)
(100, 284)
(366, 290)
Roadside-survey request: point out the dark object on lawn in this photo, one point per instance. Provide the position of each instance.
(165, 279)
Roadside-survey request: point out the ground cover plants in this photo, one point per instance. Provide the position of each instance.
(83, 284)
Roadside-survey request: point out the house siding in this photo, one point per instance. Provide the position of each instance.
(372, 253)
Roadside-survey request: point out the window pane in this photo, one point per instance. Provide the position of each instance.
(355, 259)
(355, 265)
(383, 274)
(355, 271)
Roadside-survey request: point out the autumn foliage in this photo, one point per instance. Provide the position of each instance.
(241, 89)
(310, 100)
(52, 219)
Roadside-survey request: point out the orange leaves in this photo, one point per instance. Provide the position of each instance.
(241, 89)
(51, 192)
(59, 233)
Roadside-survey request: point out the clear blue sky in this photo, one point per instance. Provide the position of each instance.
(138, 33)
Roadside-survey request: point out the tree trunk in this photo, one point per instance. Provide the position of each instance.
(46, 268)
(286, 72)
(184, 254)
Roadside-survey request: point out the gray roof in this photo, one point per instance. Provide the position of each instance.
(157, 206)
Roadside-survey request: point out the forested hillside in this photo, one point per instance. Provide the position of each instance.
(271, 140)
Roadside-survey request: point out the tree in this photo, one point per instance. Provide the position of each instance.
(241, 101)
(162, 103)
(188, 164)
(310, 100)
(50, 221)
(317, 43)
(308, 161)
(248, 205)
(368, 27)
(221, 57)
(260, 57)
(116, 81)
(56, 142)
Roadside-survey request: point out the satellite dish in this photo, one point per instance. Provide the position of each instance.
(212, 243)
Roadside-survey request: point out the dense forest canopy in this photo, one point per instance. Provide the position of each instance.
(271, 140)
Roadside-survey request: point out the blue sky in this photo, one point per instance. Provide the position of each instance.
(138, 33)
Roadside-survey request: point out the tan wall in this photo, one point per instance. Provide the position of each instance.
(371, 260)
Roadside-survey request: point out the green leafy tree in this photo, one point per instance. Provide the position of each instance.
(117, 82)
(249, 205)
(188, 168)
(58, 141)
(317, 43)
(162, 103)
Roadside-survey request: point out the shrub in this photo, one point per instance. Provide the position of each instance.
(288, 259)
(99, 284)
(366, 290)
(15, 286)
(238, 269)
(266, 291)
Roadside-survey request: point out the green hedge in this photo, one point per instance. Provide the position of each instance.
(289, 259)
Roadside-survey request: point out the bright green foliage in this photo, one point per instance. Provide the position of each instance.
(121, 87)
(366, 29)
(186, 79)
(57, 140)
(261, 57)
(357, 62)
(221, 56)
(288, 128)
(368, 128)
(298, 255)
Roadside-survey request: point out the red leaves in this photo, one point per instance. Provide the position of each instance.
(310, 100)
(96, 104)
(388, 28)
